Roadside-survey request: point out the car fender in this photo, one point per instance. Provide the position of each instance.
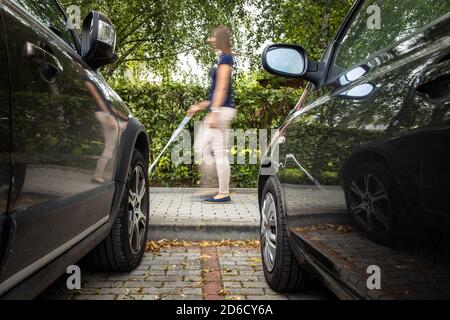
(134, 136)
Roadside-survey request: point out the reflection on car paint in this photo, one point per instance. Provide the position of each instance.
(313, 180)
(388, 117)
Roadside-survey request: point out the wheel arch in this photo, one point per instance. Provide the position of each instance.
(135, 136)
(392, 160)
(267, 170)
(362, 156)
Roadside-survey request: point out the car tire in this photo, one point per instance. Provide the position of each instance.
(281, 269)
(124, 247)
(375, 203)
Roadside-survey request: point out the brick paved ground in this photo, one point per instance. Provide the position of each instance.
(191, 273)
(181, 207)
(179, 214)
(184, 274)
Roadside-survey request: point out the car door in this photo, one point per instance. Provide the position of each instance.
(5, 160)
(59, 139)
(433, 88)
(380, 93)
(369, 117)
(370, 100)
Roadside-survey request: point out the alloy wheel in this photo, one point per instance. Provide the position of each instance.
(269, 231)
(369, 203)
(136, 217)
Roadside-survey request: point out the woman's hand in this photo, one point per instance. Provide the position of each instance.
(200, 106)
(193, 110)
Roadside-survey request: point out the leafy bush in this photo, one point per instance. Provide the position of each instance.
(161, 107)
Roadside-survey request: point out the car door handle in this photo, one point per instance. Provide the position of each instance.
(41, 56)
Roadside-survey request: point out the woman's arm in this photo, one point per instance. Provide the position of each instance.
(220, 93)
(199, 106)
(222, 85)
(223, 79)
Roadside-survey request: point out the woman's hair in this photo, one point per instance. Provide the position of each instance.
(223, 39)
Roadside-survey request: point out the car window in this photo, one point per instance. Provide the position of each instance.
(379, 24)
(50, 14)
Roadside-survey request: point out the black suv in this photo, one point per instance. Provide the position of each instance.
(73, 161)
(355, 189)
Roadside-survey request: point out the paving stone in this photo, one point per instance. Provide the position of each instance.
(255, 284)
(246, 291)
(161, 278)
(267, 297)
(181, 284)
(251, 273)
(182, 297)
(230, 278)
(118, 277)
(142, 284)
(139, 273)
(162, 291)
(107, 291)
(103, 284)
(235, 297)
(95, 297)
(192, 278)
(228, 285)
(192, 291)
(230, 271)
(142, 267)
(196, 272)
(269, 291)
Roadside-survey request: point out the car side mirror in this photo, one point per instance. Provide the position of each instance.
(98, 40)
(285, 60)
(291, 61)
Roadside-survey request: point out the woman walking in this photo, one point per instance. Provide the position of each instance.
(212, 141)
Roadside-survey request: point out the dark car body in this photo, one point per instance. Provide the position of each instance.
(380, 111)
(51, 212)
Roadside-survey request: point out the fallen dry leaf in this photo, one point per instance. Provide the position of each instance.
(223, 292)
(156, 246)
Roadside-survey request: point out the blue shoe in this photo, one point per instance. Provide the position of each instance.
(217, 201)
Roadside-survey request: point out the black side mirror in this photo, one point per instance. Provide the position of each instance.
(98, 40)
(288, 60)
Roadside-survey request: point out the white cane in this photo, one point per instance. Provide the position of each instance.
(175, 135)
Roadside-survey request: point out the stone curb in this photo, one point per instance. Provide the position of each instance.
(203, 232)
(192, 190)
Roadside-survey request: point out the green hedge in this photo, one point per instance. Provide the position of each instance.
(161, 107)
